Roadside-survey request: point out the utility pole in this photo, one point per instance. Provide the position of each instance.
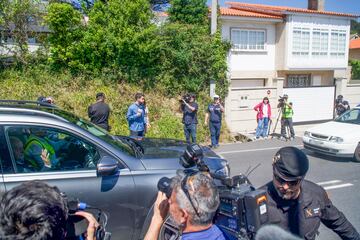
(213, 16)
(213, 31)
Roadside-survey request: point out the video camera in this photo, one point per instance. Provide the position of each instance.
(187, 97)
(281, 101)
(242, 210)
(74, 221)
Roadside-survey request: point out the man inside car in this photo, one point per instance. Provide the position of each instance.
(192, 207)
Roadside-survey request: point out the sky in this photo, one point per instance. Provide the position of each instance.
(343, 6)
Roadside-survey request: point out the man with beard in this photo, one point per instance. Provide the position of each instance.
(298, 205)
(192, 207)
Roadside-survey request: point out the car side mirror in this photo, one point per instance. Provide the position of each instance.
(107, 166)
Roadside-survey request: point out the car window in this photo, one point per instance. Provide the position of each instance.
(6, 165)
(42, 149)
(352, 116)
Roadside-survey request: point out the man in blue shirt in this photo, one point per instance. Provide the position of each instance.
(136, 117)
(189, 108)
(214, 111)
(192, 207)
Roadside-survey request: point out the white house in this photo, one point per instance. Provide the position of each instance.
(277, 50)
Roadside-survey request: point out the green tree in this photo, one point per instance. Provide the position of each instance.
(355, 27)
(189, 12)
(19, 20)
(66, 31)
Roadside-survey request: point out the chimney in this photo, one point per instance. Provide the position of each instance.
(317, 5)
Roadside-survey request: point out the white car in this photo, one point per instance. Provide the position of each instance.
(340, 137)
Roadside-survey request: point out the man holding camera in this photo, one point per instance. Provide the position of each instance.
(37, 211)
(189, 108)
(192, 207)
(341, 105)
(286, 118)
(298, 205)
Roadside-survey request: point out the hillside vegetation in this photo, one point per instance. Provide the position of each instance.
(75, 94)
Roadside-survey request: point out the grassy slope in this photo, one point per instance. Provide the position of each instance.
(76, 94)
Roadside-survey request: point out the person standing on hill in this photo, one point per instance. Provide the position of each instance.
(99, 112)
(136, 117)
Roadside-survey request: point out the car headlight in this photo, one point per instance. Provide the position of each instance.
(307, 134)
(336, 139)
(224, 171)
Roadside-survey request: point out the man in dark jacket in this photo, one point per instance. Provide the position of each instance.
(99, 112)
(298, 205)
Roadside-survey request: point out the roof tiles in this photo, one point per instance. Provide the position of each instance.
(267, 11)
(355, 44)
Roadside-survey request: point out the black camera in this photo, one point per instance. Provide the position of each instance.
(75, 225)
(242, 210)
(187, 97)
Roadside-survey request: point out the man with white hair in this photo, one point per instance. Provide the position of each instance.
(192, 207)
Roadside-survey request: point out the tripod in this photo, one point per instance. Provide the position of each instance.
(287, 129)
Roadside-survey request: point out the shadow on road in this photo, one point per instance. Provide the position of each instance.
(326, 157)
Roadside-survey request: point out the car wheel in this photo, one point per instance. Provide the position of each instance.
(169, 231)
(357, 153)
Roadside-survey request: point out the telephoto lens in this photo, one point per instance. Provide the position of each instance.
(164, 185)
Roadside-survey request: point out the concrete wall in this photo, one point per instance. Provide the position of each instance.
(281, 46)
(354, 54)
(352, 94)
(239, 113)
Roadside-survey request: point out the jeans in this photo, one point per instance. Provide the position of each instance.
(262, 128)
(137, 134)
(287, 122)
(215, 133)
(190, 131)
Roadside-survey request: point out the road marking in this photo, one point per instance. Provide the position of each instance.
(254, 150)
(329, 182)
(339, 186)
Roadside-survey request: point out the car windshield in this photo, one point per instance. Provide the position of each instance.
(352, 116)
(97, 131)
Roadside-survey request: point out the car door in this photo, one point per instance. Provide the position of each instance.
(73, 171)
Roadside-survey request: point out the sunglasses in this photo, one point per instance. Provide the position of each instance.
(185, 189)
(283, 181)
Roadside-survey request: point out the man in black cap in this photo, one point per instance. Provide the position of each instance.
(99, 112)
(298, 205)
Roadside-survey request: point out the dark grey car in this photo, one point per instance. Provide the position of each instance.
(114, 173)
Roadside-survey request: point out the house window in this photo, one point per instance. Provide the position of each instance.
(301, 41)
(320, 42)
(338, 43)
(298, 80)
(250, 40)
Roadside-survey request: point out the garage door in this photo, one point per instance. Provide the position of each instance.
(312, 103)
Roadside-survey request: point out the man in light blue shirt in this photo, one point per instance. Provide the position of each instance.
(136, 117)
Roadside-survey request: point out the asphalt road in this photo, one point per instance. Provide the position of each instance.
(340, 177)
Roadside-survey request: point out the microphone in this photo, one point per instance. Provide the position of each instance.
(273, 232)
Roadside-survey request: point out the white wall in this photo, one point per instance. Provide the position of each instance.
(251, 61)
(316, 21)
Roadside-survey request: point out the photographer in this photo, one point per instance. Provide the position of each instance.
(341, 105)
(189, 108)
(192, 206)
(37, 211)
(214, 112)
(298, 205)
(286, 118)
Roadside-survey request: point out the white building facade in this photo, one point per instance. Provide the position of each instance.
(277, 50)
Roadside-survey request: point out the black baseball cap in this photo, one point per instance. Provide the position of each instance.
(290, 163)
